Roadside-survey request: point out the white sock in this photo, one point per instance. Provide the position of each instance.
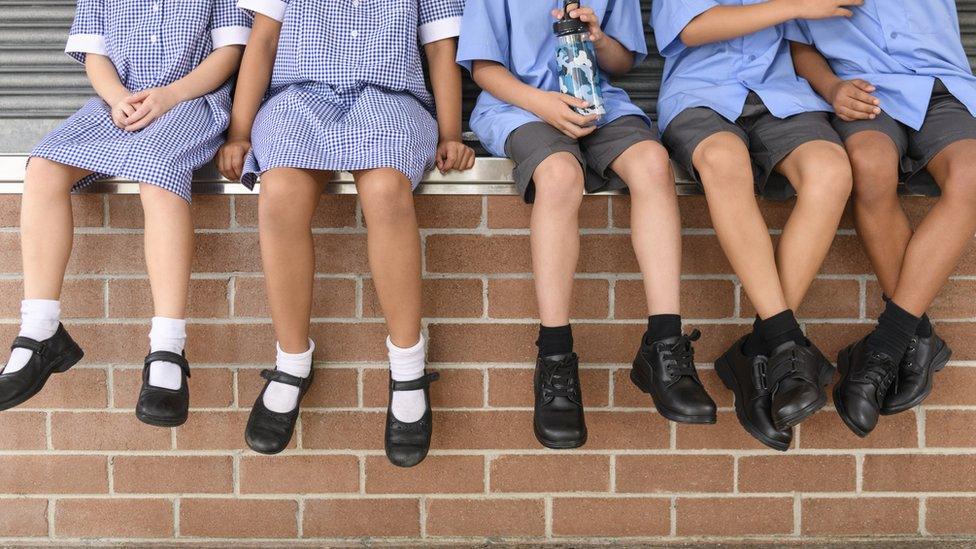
(407, 365)
(283, 398)
(167, 334)
(39, 319)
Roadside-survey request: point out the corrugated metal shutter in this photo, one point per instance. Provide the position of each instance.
(39, 85)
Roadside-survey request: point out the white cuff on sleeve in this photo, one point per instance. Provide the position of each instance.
(230, 36)
(440, 29)
(86, 43)
(274, 9)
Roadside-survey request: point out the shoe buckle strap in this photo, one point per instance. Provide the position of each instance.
(760, 375)
(167, 356)
(415, 384)
(30, 344)
(283, 377)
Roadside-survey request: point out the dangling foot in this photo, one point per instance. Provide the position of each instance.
(162, 406)
(55, 354)
(409, 422)
(275, 412)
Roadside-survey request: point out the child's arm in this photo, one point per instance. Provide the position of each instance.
(553, 107)
(445, 78)
(851, 99)
(612, 56)
(252, 84)
(105, 79)
(722, 23)
(212, 73)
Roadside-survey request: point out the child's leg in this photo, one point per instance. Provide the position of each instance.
(393, 243)
(169, 253)
(821, 174)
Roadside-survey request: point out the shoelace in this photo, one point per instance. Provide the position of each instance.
(679, 358)
(880, 372)
(559, 379)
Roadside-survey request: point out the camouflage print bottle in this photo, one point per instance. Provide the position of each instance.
(579, 74)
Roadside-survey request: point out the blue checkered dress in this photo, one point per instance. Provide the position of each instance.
(152, 43)
(347, 91)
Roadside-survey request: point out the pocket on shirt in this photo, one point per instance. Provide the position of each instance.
(929, 17)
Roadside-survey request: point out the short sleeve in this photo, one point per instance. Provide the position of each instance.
(484, 33)
(670, 17)
(229, 25)
(439, 19)
(625, 24)
(797, 31)
(87, 33)
(274, 9)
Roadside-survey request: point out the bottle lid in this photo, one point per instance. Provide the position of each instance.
(567, 25)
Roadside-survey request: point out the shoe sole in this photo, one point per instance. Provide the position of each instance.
(843, 363)
(638, 381)
(72, 357)
(160, 422)
(725, 373)
(941, 360)
(559, 445)
(788, 422)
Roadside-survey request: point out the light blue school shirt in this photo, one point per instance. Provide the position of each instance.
(721, 74)
(901, 47)
(518, 34)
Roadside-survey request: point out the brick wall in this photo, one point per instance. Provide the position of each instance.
(75, 463)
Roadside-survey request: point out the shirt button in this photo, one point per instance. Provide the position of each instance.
(894, 35)
(354, 34)
(153, 39)
(752, 58)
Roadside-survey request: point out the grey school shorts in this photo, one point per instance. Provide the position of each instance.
(534, 142)
(769, 139)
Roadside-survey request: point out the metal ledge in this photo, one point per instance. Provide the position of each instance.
(490, 176)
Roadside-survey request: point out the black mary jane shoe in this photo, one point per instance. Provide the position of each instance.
(56, 354)
(270, 432)
(160, 406)
(558, 419)
(665, 369)
(925, 357)
(407, 444)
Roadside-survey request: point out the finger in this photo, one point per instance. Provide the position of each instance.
(450, 161)
(860, 106)
(237, 165)
(841, 12)
(866, 98)
(863, 85)
(137, 97)
(471, 160)
(855, 114)
(573, 101)
(139, 113)
(558, 14)
(582, 120)
(142, 123)
(127, 108)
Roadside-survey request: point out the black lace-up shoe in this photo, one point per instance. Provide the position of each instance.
(270, 432)
(160, 406)
(666, 370)
(798, 375)
(407, 444)
(925, 356)
(866, 377)
(558, 420)
(56, 354)
(748, 378)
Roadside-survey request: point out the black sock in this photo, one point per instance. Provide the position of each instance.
(754, 344)
(555, 341)
(662, 327)
(924, 324)
(895, 330)
(779, 329)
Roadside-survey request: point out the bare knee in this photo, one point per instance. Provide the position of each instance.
(387, 200)
(875, 165)
(959, 187)
(559, 182)
(277, 211)
(826, 176)
(646, 168)
(48, 178)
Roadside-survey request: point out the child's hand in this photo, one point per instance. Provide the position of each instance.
(121, 110)
(454, 155)
(824, 9)
(588, 16)
(556, 110)
(152, 104)
(230, 158)
(852, 100)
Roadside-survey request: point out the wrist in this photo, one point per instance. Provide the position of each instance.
(787, 9)
(178, 92)
(832, 88)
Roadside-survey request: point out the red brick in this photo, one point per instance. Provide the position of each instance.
(80, 298)
(739, 516)
(950, 516)
(515, 298)
(226, 252)
(173, 474)
(436, 474)
(831, 338)
(340, 253)
(666, 474)
(959, 335)
(238, 518)
(566, 473)
(299, 474)
(230, 344)
(10, 260)
(214, 431)
(87, 211)
(954, 301)
(511, 212)
(131, 298)
(493, 517)
(827, 298)
(950, 428)
(859, 516)
(453, 253)
(637, 430)
(919, 473)
(23, 517)
(442, 298)
(338, 211)
(457, 388)
(121, 518)
(209, 387)
(331, 388)
(105, 431)
(347, 430)
(728, 434)
(209, 212)
(826, 430)
(340, 342)
(483, 430)
(453, 212)
(23, 431)
(954, 387)
(846, 256)
(331, 297)
(76, 388)
(512, 387)
(611, 517)
(107, 254)
(699, 299)
(49, 474)
(361, 518)
(607, 253)
(479, 342)
(792, 473)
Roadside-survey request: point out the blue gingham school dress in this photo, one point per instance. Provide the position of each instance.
(347, 90)
(152, 43)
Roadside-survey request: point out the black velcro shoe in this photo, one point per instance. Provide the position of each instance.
(925, 356)
(866, 377)
(748, 378)
(798, 376)
(270, 432)
(558, 419)
(56, 354)
(160, 406)
(407, 444)
(665, 369)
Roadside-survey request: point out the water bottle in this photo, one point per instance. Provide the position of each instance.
(579, 75)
